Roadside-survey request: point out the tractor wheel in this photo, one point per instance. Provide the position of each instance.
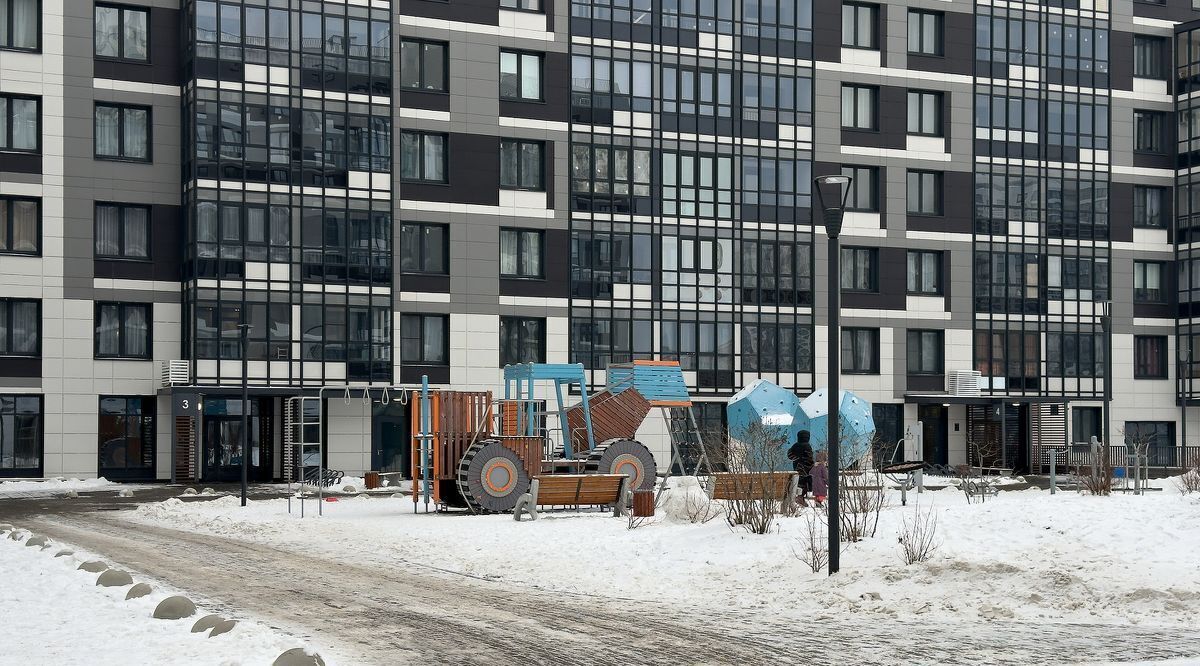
(624, 456)
(491, 477)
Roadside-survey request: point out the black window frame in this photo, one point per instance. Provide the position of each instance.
(422, 250)
(914, 337)
(121, 11)
(505, 4)
(855, 41)
(922, 176)
(1145, 294)
(121, 108)
(509, 325)
(541, 60)
(6, 147)
(1144, 367)
(519, 146)
(144, 421)
(874, 102)
(1074, 354)
(9, 205)
(1156, 47)
(939, 18)
(15, 471)
(873, 336)
(1142, 196)
(122, 306)
(422, 316)
(122, 208)
(541, 259)
(920, 272)
(872, 182)
(8, 29)
(444, 88)
(6, 344)
(939, 119)
(445, 180)
(851, 257)
(1157, 132)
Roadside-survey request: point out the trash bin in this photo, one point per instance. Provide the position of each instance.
(643, 503)
(371, 480)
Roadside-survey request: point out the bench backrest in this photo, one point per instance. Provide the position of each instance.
(572, 489)
(749, 485)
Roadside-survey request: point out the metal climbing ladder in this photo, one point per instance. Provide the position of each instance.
(304, 449)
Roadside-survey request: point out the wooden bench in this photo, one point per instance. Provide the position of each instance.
(574, 490)
(744, 485)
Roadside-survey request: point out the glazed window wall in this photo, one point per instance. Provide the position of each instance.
(776, 347)
(345, 246)
(703, 346)
(620, 254)
(600, 338)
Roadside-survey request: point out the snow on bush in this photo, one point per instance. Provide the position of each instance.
(686, 502)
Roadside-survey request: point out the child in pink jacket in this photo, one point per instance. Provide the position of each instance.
(820, 477)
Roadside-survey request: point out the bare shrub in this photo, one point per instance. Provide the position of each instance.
(701, 509)
(1096, 473)
(1189, 481)
(812, 546)
(635, 522)
(862, 498)
(753, 456)
(918, 536)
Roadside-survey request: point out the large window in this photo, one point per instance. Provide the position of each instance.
(20, 435)
(520, 253)
(423, 65)
(1158, 439)
(520, 75)
(770, 347)
(864, 188)
(20, 327)
(860, 26)
(123, 330)
(860, 107)
(1149, 206)
(1148, 131)
(20, 225)
(423, 157)
(1012, 356)
(122, 32)
(424, 339)
(424, 248)
(526, 5)
(1074, 355)
(925, 112)
(521, 165)
(1148, 282)
(860, 351)
(926, 352)
(924, 272)
(1149, 357)
(860, 269)
(126, 437)
(1149, 57)
(20, 123)
(122, 231)
(924, 192)
(522, 340)
(122, 132)
(20, 24)
(925, 32)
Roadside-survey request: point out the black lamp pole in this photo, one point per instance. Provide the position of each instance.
(1106, 328)
(1185, 375)
(833, 213)
(245, 329)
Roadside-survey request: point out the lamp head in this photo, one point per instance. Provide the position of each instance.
(833, 207)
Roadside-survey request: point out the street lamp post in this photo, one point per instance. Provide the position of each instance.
(1106, 329)
(1185, 375)
(832, 213)
(245, 330)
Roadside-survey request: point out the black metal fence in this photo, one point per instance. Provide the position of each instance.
(1162, 457)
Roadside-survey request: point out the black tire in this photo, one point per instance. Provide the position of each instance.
(624, 456)
(491, 477)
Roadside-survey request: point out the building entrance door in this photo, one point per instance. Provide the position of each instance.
(934, 420)
(223, 442)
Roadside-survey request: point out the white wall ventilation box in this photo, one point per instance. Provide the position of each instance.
(176, 373)
(963, 382)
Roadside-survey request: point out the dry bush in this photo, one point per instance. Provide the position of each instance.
(1096, 477)
(757, 452)
(635, 522)
(701, 509)
(812, 546)
(1189, 481)
(862, 497)
(918, 536)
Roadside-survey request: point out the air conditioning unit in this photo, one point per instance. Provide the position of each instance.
(176, 373)
(964, 383)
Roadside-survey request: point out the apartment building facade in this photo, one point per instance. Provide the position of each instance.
(309, 194)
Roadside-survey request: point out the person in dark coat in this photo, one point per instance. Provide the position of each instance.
(801, 455)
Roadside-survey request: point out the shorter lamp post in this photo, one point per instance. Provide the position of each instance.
(1106, 329)
(1185, 375)
(245, 331)
(833, 210)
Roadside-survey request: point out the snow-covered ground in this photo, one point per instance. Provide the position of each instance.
(52, 613)
(1025, 555)
(54, 486)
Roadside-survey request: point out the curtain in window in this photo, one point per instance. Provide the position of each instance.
(25, 327)
(410, 155)
(137, 225)
(107, 29)
(434, 342)
(531, 76)
(4, 328)
(107, 133)
(24, 24)
(135, 34)
(4, 122)
(435, 157)
(929, 271)
(108, 231)
(433, 66)
(531, 166)
(531, 254)
(24, 124)
(510, 83)
(508, 164)
(108, 331)
(531, 340)
(137, 133)
(508, 253)
(24, 226)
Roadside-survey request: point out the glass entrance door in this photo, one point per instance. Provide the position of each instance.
(223, 441)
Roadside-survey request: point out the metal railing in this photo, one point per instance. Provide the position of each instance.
(1158, 457)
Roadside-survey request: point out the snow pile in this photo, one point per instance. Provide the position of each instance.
(1025, 554)
(685, 501)
(53, 486)
(54, 614)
